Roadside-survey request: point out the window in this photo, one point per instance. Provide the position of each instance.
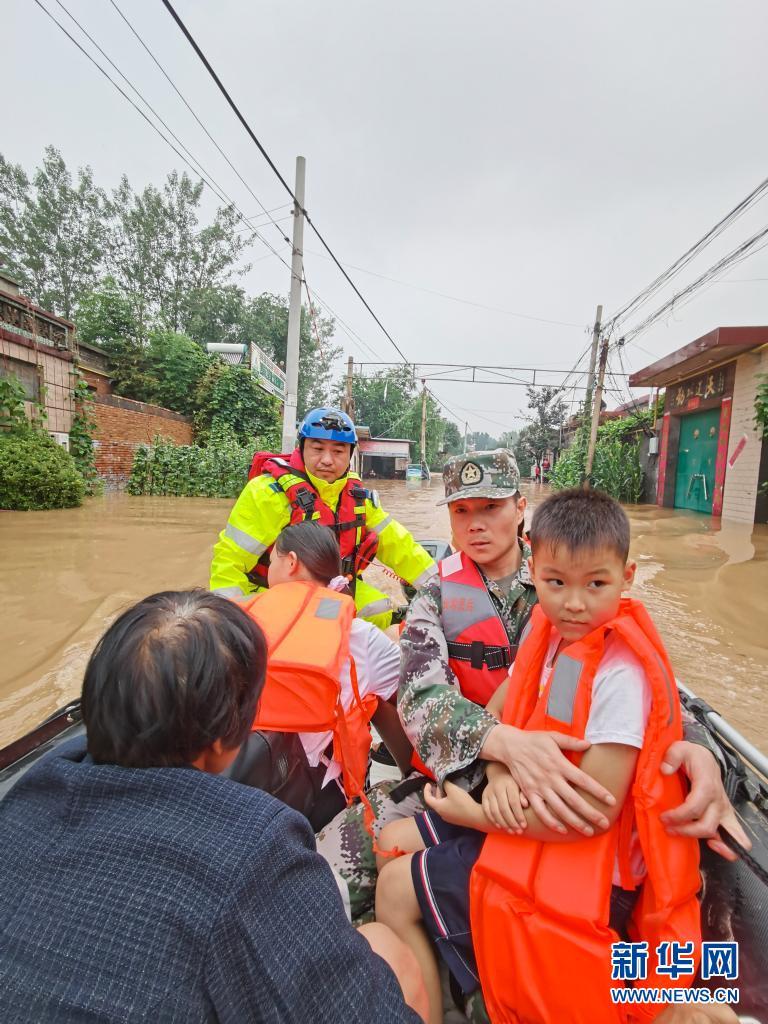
(25, 373)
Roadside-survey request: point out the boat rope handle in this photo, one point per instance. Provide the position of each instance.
(733, 844)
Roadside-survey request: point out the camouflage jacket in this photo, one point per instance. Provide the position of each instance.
(447, 729)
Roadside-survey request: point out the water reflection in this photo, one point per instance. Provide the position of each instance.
(66, 574)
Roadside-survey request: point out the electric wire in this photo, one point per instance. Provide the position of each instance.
(643, 296)
(192, 112)
(454, 298)
(190, 39)
(222, 196)
(733, 258)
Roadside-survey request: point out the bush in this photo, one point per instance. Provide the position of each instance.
(36, 473)
(616, 466)
(219, 470)
(228, 398)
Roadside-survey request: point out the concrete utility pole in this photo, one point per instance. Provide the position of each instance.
(592, 361)
(466, 428)
(596, 410)
(294, 312)
(423, 423)
(349, 402)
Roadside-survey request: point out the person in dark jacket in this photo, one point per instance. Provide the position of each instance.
(136, 885)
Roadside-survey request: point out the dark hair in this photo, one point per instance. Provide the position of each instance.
(581, 520)
(171, 675)
(316, 548)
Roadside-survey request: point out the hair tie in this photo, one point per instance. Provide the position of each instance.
(338, 583)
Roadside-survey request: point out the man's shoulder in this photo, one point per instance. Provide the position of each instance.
(202, 807)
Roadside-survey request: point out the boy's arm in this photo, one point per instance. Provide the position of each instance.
(610, 764)
(495, 705)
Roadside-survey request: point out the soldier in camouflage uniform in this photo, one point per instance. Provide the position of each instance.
(447, 730)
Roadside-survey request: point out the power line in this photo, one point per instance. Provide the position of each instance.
(737, 255)
(170, 8)
(192, 112)
(455, 298)
(198, 171)
(643, 296)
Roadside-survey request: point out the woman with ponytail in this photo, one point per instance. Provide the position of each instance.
(309, 553)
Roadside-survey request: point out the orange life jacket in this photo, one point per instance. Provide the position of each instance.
(540, 911)
(348, 521)
(307, 631)
(479, 651)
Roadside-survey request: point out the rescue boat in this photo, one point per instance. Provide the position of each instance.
(734, 894)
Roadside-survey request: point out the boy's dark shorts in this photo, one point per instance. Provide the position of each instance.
(441, 879)
(441, 874)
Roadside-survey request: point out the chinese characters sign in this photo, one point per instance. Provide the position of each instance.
(689, 394)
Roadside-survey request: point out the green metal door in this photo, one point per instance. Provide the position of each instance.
(695, 480)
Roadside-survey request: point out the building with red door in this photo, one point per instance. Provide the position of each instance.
(712, 456)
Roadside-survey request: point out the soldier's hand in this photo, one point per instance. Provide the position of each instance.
(707, 807)
(548, 778)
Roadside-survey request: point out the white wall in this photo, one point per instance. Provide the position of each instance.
(740, 492)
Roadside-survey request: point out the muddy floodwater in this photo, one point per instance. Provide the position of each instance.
(66, 574)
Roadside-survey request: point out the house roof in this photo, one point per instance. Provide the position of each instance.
(712, 349)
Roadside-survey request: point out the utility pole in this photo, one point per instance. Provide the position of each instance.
(349, 402)
(294, 313)
(596, 410)
(423, 423)
(466, 428)
(592, 362)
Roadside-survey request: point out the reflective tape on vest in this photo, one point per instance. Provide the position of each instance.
(562, 689)
(230, 592)
(379, 526)
(378, 607)
(463, 607)
(244, 540)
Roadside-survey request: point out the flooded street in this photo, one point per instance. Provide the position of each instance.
(67, 573)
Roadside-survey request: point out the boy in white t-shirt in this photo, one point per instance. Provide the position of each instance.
(580, 567)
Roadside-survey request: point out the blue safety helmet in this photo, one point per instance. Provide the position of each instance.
(328, 425)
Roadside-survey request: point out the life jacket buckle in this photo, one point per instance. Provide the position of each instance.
(477, 654)
(305, 499)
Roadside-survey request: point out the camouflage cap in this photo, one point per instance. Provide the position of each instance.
(481, 475)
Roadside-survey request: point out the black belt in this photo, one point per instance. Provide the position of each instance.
(479, 654)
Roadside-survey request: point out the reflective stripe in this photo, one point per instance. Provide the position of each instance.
(234, 592)
(380, 526)
(244, 540)
(378, 607)
(562, 691)
(422, 578)
(452, 564)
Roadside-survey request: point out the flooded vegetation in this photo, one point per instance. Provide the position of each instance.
(66, 574)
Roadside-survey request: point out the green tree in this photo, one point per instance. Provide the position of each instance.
(542, 433)
(160, 257)
(389, 402)
(52, 230)
(481, 441)
(229, 397)
(176, 366)
(453, 442)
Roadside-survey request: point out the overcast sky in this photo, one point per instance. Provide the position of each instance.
(537, 158)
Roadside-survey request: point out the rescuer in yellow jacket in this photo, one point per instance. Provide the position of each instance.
(316, 484)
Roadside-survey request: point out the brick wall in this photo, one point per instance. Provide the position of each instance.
(741, 479)
(122, 425)
(100, 383)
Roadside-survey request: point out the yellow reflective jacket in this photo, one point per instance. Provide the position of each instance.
(262, 511)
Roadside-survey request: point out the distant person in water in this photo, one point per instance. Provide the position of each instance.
(137, 885)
